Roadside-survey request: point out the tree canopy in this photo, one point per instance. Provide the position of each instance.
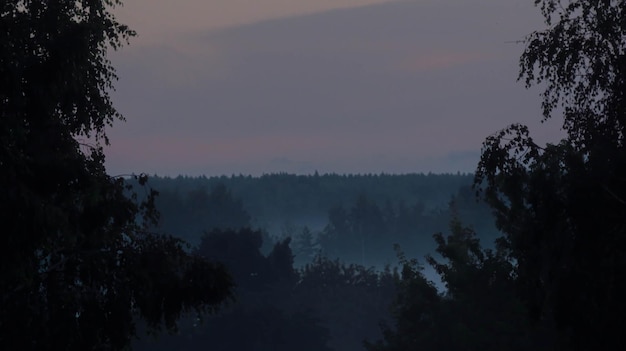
(326, 305)
(562, 206)
(478, 310)
(78, 266)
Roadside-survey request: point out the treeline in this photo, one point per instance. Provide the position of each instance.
(306, 198)
(357, 219)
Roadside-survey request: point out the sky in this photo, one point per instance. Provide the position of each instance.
(227, 87)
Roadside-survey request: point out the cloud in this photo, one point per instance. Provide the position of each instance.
(164, 20)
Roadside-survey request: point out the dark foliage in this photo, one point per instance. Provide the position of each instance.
(77, 264)
(190, 214)
(478, 311)
(563, 206)
(326, 305)
(351, 299)
(262, 316)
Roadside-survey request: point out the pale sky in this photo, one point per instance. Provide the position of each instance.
(346, 86)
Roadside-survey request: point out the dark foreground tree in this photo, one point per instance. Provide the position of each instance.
(267, 313)
(76, 266)
(351, 299)
(478, 311)
(563, 206)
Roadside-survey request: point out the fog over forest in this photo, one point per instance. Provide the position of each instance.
(343, 236)
(347, 243)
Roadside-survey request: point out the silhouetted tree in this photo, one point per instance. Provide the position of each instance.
(77, 264)
(416, 314)
(478, 310)
(265, 315)
(352, 300)
(240, 252)
(563, 206)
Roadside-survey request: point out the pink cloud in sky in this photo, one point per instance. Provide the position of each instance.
(162, 20)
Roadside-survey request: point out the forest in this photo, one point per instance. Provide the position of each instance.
(321, 250)
(343, 216)
(527, 253)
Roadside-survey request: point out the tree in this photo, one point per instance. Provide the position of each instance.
(240, 252)
(197, 211)
(265, 315)
(306, 246)
(77, 266)
(477, 311)
(351, 299)
(563, 206)
(356, 234)
(414, 310)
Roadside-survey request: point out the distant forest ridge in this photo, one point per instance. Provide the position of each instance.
(401, 207)
(319, 192)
